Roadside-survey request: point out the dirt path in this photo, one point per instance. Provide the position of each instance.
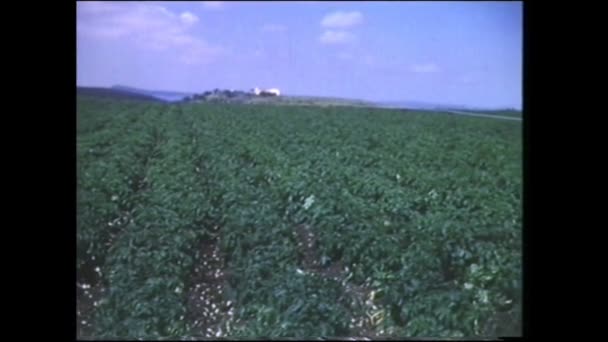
(90, 288)
(87, 298)
(210, 312)
(311, 263)
(207, 307)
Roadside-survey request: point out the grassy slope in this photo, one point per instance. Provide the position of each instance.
(107, 93)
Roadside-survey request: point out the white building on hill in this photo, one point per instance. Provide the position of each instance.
(266, 92)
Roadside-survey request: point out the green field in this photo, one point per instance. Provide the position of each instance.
(511, 113)
(269, 221)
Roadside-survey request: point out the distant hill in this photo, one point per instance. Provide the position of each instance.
(243, 97)
(308, 101)
(115, 94)
(421, 105)
(328, 101)
(161, 94)
(501, 112)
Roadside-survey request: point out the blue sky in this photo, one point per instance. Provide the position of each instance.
(465, 53)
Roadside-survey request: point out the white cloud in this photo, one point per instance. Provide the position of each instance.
(149, 26)
(344, 56)
(122, 20)
(467, 80)
(342, 19)
(96, 7)
(188, 18)
(274, 28)
(425, 68)
(337, 37)
(201, 53)
(213, 5)
(369, 60)
(259, 53)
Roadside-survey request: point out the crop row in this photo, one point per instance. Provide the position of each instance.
(420, 212)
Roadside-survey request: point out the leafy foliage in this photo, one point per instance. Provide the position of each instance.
(422, 209)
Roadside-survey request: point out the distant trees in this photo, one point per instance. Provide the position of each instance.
(230, 95)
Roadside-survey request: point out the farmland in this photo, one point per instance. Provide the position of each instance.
(510, 113)
(227, 220)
